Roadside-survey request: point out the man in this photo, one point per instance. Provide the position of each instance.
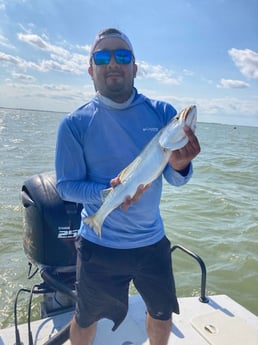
(95, 143)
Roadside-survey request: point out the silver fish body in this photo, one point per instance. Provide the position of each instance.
(147, 166)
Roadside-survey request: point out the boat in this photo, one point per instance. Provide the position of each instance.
(50, 228)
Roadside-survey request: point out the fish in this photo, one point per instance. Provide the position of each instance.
(147, 166)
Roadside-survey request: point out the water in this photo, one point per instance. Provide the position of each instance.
(215, 214)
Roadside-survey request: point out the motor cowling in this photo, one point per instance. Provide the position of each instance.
(50, 224)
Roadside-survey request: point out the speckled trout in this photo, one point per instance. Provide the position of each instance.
(146, 167)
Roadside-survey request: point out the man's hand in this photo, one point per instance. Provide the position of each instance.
(181, 158)
(128, 200)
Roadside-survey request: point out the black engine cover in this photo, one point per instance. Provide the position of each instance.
(50, 224)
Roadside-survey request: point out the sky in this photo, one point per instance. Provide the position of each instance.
(202, 52)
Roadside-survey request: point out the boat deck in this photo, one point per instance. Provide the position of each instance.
(222, 321)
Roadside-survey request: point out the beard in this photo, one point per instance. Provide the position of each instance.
(117, 89)
(114, 84)
(115, 80)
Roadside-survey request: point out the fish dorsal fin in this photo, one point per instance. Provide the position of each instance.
(105, 192)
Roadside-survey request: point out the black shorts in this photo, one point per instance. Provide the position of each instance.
(104, 274)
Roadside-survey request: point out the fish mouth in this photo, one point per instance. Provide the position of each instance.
(190, 121)
(174, 137)
(187, 111)
(184, 117)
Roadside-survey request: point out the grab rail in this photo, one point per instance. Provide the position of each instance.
(203, 297)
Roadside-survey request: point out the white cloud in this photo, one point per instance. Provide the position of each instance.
(23, 77)
(5, 42)
(18, 62)
(60, 59)
(246, 60)
(47, 65)
(54, 87)
(56, 97)
(10, 58)
(157, 72)
(39, 42)
(87, 48)
(215, 106)
(232, 84)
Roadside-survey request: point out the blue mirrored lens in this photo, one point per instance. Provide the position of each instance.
(103, 57)
(123, 56)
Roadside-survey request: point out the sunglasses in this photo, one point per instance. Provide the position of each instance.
(103, 57)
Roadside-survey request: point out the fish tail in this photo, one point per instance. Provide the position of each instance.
(93, 223)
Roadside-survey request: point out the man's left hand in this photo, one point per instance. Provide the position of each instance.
(128, 200)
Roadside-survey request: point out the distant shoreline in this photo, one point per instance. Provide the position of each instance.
(31, 109)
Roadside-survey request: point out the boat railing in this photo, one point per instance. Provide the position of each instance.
(201, 263)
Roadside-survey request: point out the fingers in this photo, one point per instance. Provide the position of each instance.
(115, 181)
(129, 201)
(181, 158)
(193, 143)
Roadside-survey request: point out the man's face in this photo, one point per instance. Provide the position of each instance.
(113, 80)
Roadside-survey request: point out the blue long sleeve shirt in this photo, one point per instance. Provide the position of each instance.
(94, 144)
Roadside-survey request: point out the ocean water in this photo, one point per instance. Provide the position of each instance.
(215, 214)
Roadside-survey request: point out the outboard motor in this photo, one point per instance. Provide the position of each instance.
(50, 228)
